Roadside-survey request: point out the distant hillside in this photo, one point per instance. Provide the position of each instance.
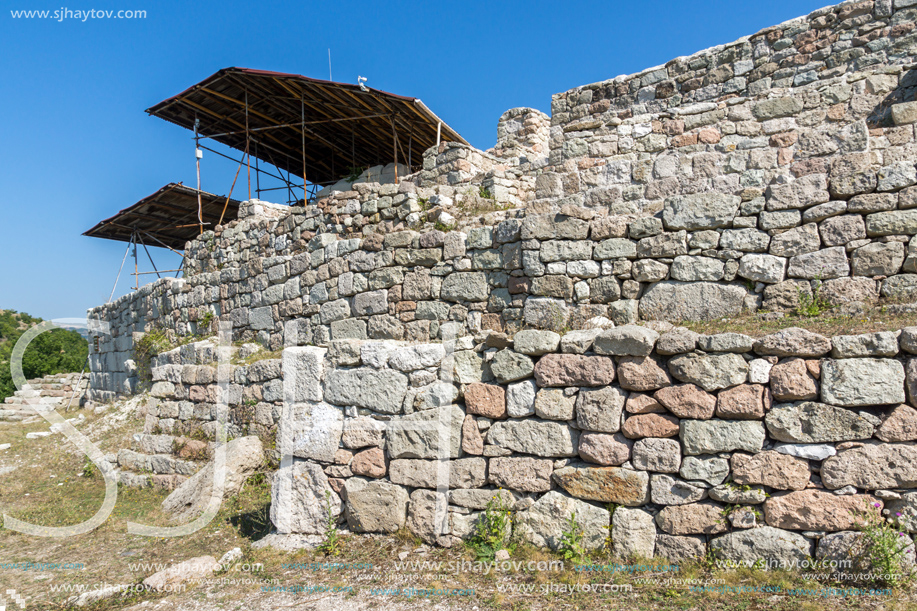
(57, 351)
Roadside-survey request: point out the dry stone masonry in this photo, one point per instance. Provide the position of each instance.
(494, 325)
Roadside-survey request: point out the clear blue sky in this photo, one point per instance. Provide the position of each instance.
(77, 147)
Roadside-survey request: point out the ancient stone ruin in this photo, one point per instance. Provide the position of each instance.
(503, 322)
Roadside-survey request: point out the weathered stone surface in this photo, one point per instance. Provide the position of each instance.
(412, 358)
(900, 424)
(312, 430)
(687, 268)
(872, 467)
(811, 422)
(628, 340)
(845, 290)
(465, 286)
(472, 440)
(543, 524)
(709, 371)
(680, 549)
(579, 341)
(520, 399)
(428, 515)
(840, 230)
(602, 449)
(574, 370)
(381, 390)
(742, 402)
(510, 366)
(605, 484)
(362, 432)
(545, 312)
(663, 245)
(667, 490)
(700, 211)
(816, 510)
(687, 401)
(745, 240)
(677, 341)
(727, 493)
(650, 425)
(710, 469)
(791, 381)
(908, 339)
(525, 474)
(715, 436)
(642, 373)
(772, 545)
(725, 342)
(369, 463)
(535, 343)
(862, 381)
(462, 473)
(793, 342)
(417, 435)
(769, 468)
(478, 498)
(298, 499)
(659, 455)
(649, 270)
(242, 459)
(880, 343)
(878, 259)
(796, 241)
(692, 519)
(537, 437)
(638, 403)
(823, 264)
(554, 404)
(374, 506)
(762, 268)
(488, 400)
(600, 409)
(776, 107)
(468, 366)
(303, 369)
(670, 300)
(633, 533)
(895, 222)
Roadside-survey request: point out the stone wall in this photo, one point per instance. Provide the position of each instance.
(752, 448)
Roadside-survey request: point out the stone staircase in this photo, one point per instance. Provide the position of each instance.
(45, 394)
(160, 461)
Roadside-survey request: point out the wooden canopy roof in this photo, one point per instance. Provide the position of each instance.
(167, 218)
(294, 120)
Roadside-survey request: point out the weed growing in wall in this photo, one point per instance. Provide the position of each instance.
(149, 345)
(884, 545)
(491, 530)
(571, 541)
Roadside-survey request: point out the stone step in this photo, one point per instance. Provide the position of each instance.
(181, 447)
(157, 481)
(163, 464)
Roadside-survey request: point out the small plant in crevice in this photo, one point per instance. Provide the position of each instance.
(485, 193)
(353, 173)
(884, 546)
(332, 545)
(491, 529)
(571, 541)
(811, 305)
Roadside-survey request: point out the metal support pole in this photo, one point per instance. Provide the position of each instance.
(395, 147)
(197, 158)
(257, 173)
(439, 129)
(136, 270)
(246, 146)
(302, 112)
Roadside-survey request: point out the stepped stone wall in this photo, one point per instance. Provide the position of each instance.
(499, 315)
